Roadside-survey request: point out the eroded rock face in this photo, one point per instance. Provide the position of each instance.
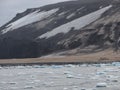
(58, 27)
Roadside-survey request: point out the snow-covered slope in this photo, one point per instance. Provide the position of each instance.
(28, 19)
(8, 8)
(77, 24)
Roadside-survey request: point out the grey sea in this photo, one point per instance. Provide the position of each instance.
(61, 77)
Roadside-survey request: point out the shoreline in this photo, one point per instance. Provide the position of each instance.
(106, 56)
(54, 63)
(36, 61)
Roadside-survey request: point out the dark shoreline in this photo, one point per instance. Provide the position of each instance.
(55, 63)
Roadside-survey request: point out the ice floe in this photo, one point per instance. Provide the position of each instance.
(61, 77)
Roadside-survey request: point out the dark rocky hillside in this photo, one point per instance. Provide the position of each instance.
(59, 27)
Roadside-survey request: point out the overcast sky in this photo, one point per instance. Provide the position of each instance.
(9, 8)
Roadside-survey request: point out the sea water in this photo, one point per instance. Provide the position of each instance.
(61, 77)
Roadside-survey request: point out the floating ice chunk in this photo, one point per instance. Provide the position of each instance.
(55, 77)
(51, 82)
(83, 89)
(98, 65)
(84, 65)
(7, 74)
(48, 84)
(0, 67)
(56, 66)
(97, 77)
(37, 81)
(100, 73)
(67, 72)
(75, 88)
(20, 67)
(111, 70)
(28, 67)
(12, 83)
(101, 85)
(21, 73)
(38, 66)
(28, 87)
(112, 78)
(13, 88)
(65, 88)
(69, 65)
(31, 82)
(49, 72)
(3, 82)
(70, 76)
(116, 64)
(78, 77)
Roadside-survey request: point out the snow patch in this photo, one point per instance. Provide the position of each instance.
(62, 13)
(80, 8)
(70, 16)
(77, 23)
(28, 19)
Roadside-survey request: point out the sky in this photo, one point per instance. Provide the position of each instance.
(9, 8)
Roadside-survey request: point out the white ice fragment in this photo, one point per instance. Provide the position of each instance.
(13, 88)
(69, 65)
(56, 66)
(67, 72)
(116, 63)
(54, 77)
(97, 77)
(83, 89)
(101, 85)
(70, 76)
(111, 70)
(75, 86)
(98, 65)
(112, 78)
(0, 67)
(100, 73)
(65, 88)
(21, 73)
(12, 83)
(49, 72)
(49, 84)
(20, 67)
(28, 87)
(37, 81)
(78, 77)
(2, 82)
(84, 65)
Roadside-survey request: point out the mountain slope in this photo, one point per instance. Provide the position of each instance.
(89, 26)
